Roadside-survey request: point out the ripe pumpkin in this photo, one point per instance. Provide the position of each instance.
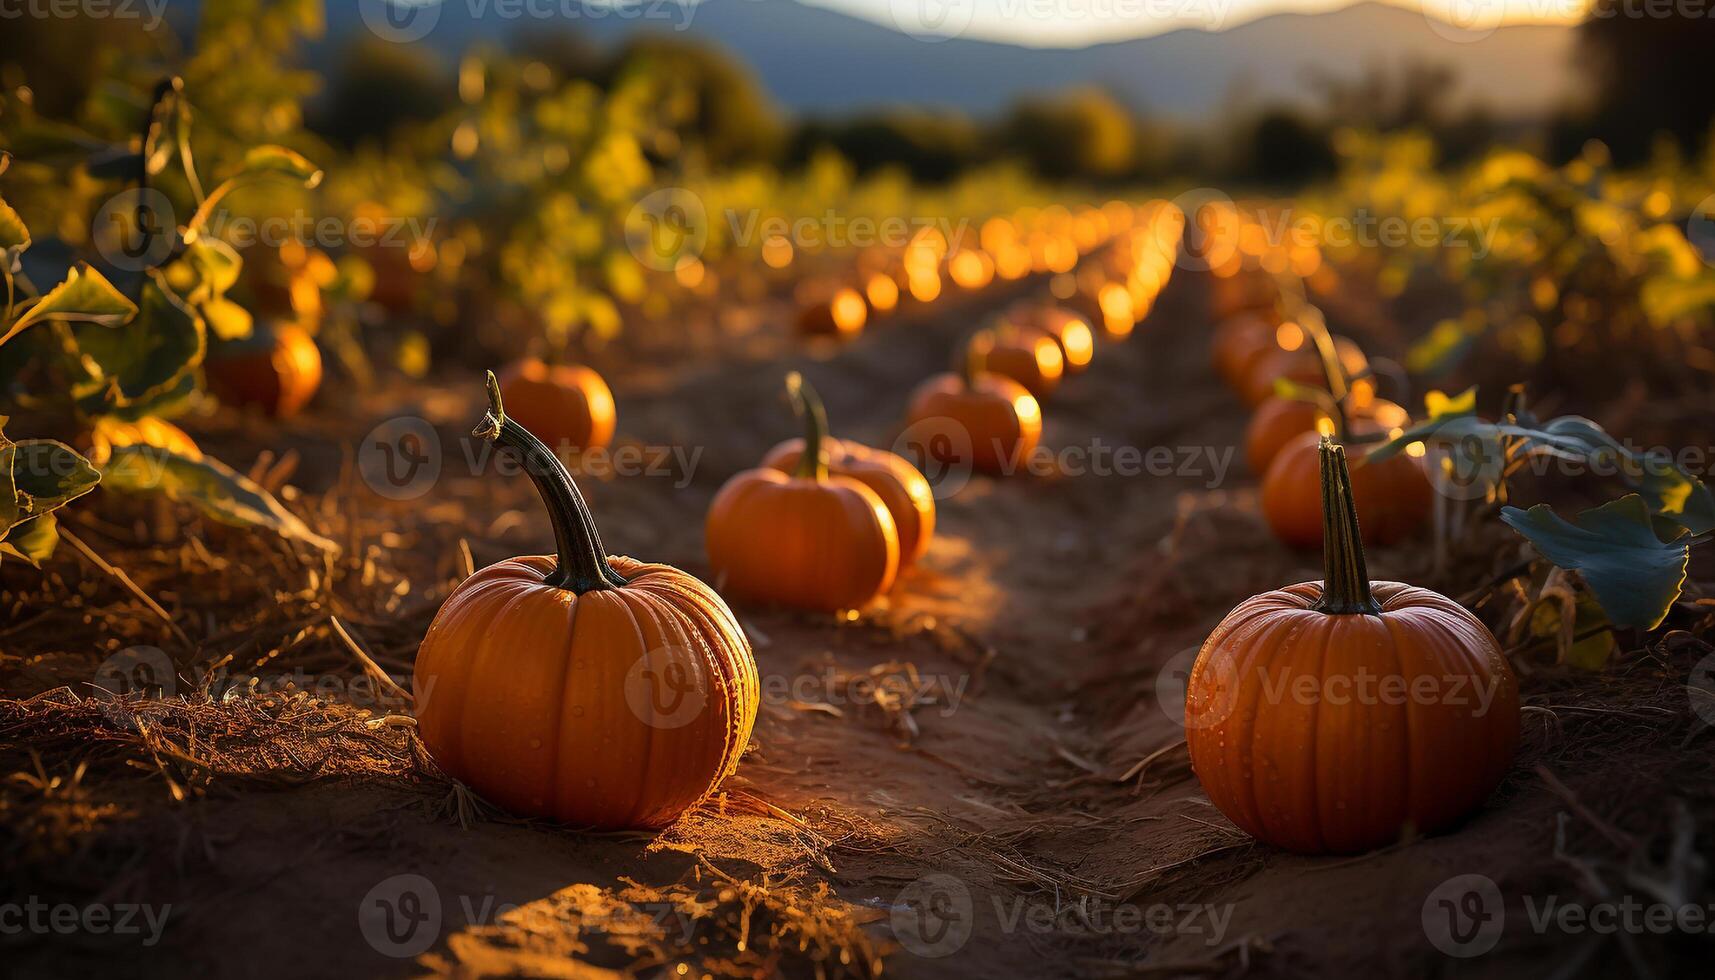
(1238, 341)
(599, 691)
(1246, 292)
(1070, 331)
(903, 489)
(1027, 356)
(1278, 421)
(833, 312)
(1302, 365)
(277, 369)
(1000, 418)
(1393, 495)
(1284, 737)
(568, 406)
(808, 539)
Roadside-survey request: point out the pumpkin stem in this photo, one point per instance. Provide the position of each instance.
(581, 564)
(813, 462)
(1345, 576)
(1333, 373)
(974, 356)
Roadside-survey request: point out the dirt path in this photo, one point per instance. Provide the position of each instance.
(1034, 816)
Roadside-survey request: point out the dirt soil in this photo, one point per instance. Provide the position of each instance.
(984, 776)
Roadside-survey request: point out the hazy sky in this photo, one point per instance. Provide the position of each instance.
(1080, 22)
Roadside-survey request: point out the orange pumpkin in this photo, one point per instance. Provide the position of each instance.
(1278, 421)
(568, 406)
(277, 369)
(1393, 495)
(903, 489)
(1302, 365)
(992, 419)
(1070, 331)
(1238, 341)
(599, 691)
(1029, 357)
(807, 540)
(833, 312)
(1344, 715)
(1246, 292)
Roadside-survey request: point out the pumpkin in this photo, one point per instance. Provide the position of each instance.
(1029, 357)
(808, 539)
(1246, 292)
(1070, 331)
(1302, 365)
(277, 369)
(835, 312)
(1344, 715)
(1393, 495)
(568, 406)
(903, 489)
(992, 418)
(1237, 342)
(1279, 420)
(603, 692)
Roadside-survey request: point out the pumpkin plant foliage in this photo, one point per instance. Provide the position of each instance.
(37, 477)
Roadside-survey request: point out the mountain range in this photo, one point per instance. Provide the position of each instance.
(817, 60)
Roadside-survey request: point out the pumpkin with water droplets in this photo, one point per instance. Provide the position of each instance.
(1344, 715)
(598, 691)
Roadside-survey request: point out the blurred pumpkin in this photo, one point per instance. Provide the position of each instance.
(1245, 292)
(276, 369)
(602, 692)
(1026, 355)
(1334, 770)
(568, 406)
(1278, 421)
(1393, 495)
(832, 311)
(993, 419)
(1070, 331)
(808, 539)
(1302, 365)
(1237, 342)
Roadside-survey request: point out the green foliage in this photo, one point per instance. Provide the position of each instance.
(1634, 574)
(37, 477)
(208, 484)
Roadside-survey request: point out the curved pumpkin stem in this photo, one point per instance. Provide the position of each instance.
(581, 564)
(813, 462)
(1345, 575)
(1333, 372)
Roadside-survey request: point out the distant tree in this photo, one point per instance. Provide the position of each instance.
(378, 87)
(1081, 133)
(1650, 75)
(732, 115)
(1285, 149)
(932, 147)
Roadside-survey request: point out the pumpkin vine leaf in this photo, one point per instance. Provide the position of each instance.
(209, 485)
(37, 477)
(85, 296)
(1634, 574)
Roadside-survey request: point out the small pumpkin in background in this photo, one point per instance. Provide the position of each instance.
(831, 311)
(805, 540)
(1300, 365)
(1279, 420)
(1287, 743)
(277, 369)
(568, 406)
(1070, 331)
(598, 691)
(1000, 418)
(904, 490)
(1238, 341)
(1029, 357)
(1393, 495)
(1245, 292)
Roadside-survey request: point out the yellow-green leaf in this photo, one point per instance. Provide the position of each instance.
(85, 296)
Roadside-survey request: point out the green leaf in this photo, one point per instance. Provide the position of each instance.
(208, 484)
(227, 319)
(48, 474)
(279, 160)
(14, 237)
(33, 540)
(1441, 411)
(216, 265)
(144, 358)
(1634, 574)
(85, 296)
